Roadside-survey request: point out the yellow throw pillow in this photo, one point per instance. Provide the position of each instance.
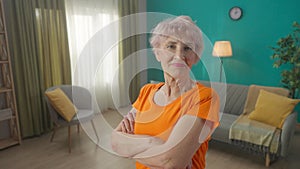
(253, 93)
(272, 109)
(62, 104)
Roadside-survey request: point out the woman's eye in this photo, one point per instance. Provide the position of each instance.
(171, 46)
(187, 48)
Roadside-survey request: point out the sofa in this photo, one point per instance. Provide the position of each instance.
(233, 107)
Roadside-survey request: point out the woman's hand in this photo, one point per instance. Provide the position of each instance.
(127, 124)
(126, 143)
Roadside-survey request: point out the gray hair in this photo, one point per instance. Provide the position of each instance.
(181, 28)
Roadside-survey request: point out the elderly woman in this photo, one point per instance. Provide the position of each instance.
(170, 123)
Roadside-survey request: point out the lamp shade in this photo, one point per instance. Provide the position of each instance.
(222, 49)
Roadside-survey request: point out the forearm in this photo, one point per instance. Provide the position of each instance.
(177, 152)
(124, 142)
(179, 149)
(167, 155)
(129, 145)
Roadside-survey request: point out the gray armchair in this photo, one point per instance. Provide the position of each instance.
(82, 99)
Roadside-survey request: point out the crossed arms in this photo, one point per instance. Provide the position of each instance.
(176, 152)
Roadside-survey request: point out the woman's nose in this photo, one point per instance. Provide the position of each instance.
(180, 54)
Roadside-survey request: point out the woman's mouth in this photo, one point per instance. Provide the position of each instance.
(178, 64)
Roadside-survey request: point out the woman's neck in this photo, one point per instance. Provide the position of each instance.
(173, 88)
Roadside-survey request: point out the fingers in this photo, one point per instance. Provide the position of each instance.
(131, 119)
(127, 125)
(131, 116)
(123, 128)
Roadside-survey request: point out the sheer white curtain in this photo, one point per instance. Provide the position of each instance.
(93, 35)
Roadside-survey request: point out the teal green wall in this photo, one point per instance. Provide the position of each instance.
(262, 24)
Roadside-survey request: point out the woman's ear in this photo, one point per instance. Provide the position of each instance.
(194, 60)
(157, 54)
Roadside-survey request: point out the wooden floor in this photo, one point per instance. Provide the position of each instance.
(39, 153)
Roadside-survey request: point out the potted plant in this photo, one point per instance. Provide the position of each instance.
(287, 56)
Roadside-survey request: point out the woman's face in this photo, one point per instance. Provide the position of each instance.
(176, 57)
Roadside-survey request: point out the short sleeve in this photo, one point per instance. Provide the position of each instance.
(142, 101)
(206, 105)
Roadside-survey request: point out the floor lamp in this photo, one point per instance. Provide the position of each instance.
(222, 49)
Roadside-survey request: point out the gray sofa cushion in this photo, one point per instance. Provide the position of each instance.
(222, 132)
(234, 97)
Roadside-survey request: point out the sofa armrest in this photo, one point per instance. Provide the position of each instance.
(287, 133)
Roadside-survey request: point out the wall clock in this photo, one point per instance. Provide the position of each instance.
(235, 13)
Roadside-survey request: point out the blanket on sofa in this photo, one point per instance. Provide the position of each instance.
(255, 136)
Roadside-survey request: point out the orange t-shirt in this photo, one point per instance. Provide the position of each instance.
(152, 119)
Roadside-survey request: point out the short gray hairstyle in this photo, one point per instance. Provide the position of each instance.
(181, 28)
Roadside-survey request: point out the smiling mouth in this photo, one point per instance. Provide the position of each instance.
(178, 64)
